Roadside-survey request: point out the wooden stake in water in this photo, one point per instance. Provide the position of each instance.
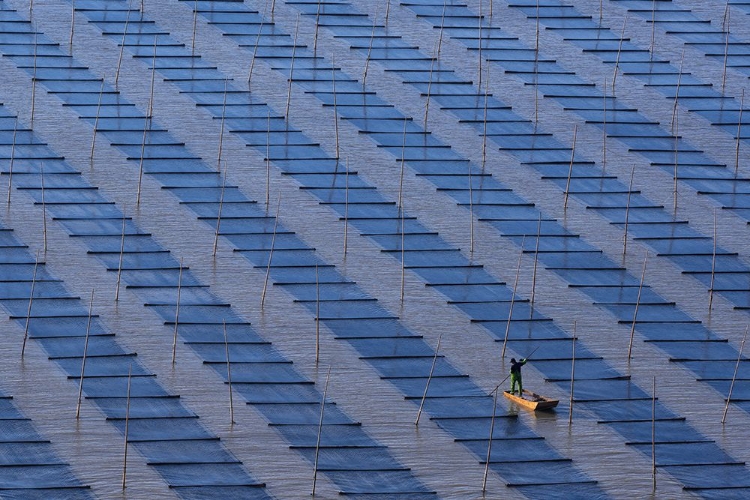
(619, 51)
(676, 95)
(229, 374)
(31, 303)
(221, 130)
(484, 121)
(429, 91)
(536, 262)
(146, 127)
(403, 161)
(153, 80)
(177, 314)
(257, 42)
(387, 12)
(572, 375)
(676, 162)
(653, 436)
(369, 53)
(713, 269)
(317, 25)
(221, 207)
(317, 315)
(734, 377)
(726, 46)
(72, 23)
(12, 159)
(346, 207)
(739, 135)
(33, 78)
(403, 254)
(96, 121)
(127, 428)
(291, 74)
(635, 311)
(268, 161)
(122, 46)
(489, 441)
(429, 379)
(85, 352)
(44, 210)
(653, 30)
(270, 253)
(604, 129)
(627, 213)
(122, 252)
(479, 50)
(536, 69)
(471, 212)
(320, 431)
(195, 27)
(513, 298)
(570, 169)
(335, 108)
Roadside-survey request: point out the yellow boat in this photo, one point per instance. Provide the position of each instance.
(532, 400)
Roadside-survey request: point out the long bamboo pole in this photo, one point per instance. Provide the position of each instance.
(489, 441)
(320, 431)
(122, 252)
(572, 376)
(31, 303)
(513, 298)
(96, 121)
(429, 379)
(570, 168)
(229, 374)
(127, 428)
(734, 377)
(270, 253)
(83, 361)
(635, 311)
(713, 269)
(739, 135)
(627, 213)
(12, 159)
(177, 313)
(221, 207)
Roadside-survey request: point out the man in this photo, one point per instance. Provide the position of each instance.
(515, 376)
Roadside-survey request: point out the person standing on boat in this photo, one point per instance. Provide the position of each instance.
(515, 376)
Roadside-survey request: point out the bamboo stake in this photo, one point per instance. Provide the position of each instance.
(627, 213)
(127, 428)
(33, 78)
(12, 159)
(536, 261)
(536, 69)
(604, 130)
(387, 11)
(31, 302)
(479, 51)
(484, 121)
(734, 377)
(335, 109)
(369, 53)
(72, 23)
(229, 374)
(195, 27)
(320, 430)
(177, 314)
(291, 74)
(653, 30)
(570, 169)
(317, 315)
(429, 379)
(153, 79)
(653, 436)
(221, 130)
(85, 352)
(726, 47)
(513, 297)
(713, 269)
(489, 441)
(257, 42)
(96, 121)
(221, 207)
(122, 46)
(270, 254)
(346, 207)
(146, 126)
(637, 303)
(572, 376)
(429, 92)
(739, 135)
(403, 254)
(471, 212)
(122, 251)
(317, 25)
(401, 174)
(676, 161)
(44, 211)
(268, 162)
(619, 51)
(677, 94)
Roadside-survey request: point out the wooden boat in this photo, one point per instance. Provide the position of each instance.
(532, 400)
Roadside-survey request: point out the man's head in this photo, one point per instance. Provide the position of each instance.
(512, 360)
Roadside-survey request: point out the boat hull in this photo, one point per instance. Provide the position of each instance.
(532, 401)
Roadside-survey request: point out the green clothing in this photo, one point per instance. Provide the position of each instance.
(515, 376)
